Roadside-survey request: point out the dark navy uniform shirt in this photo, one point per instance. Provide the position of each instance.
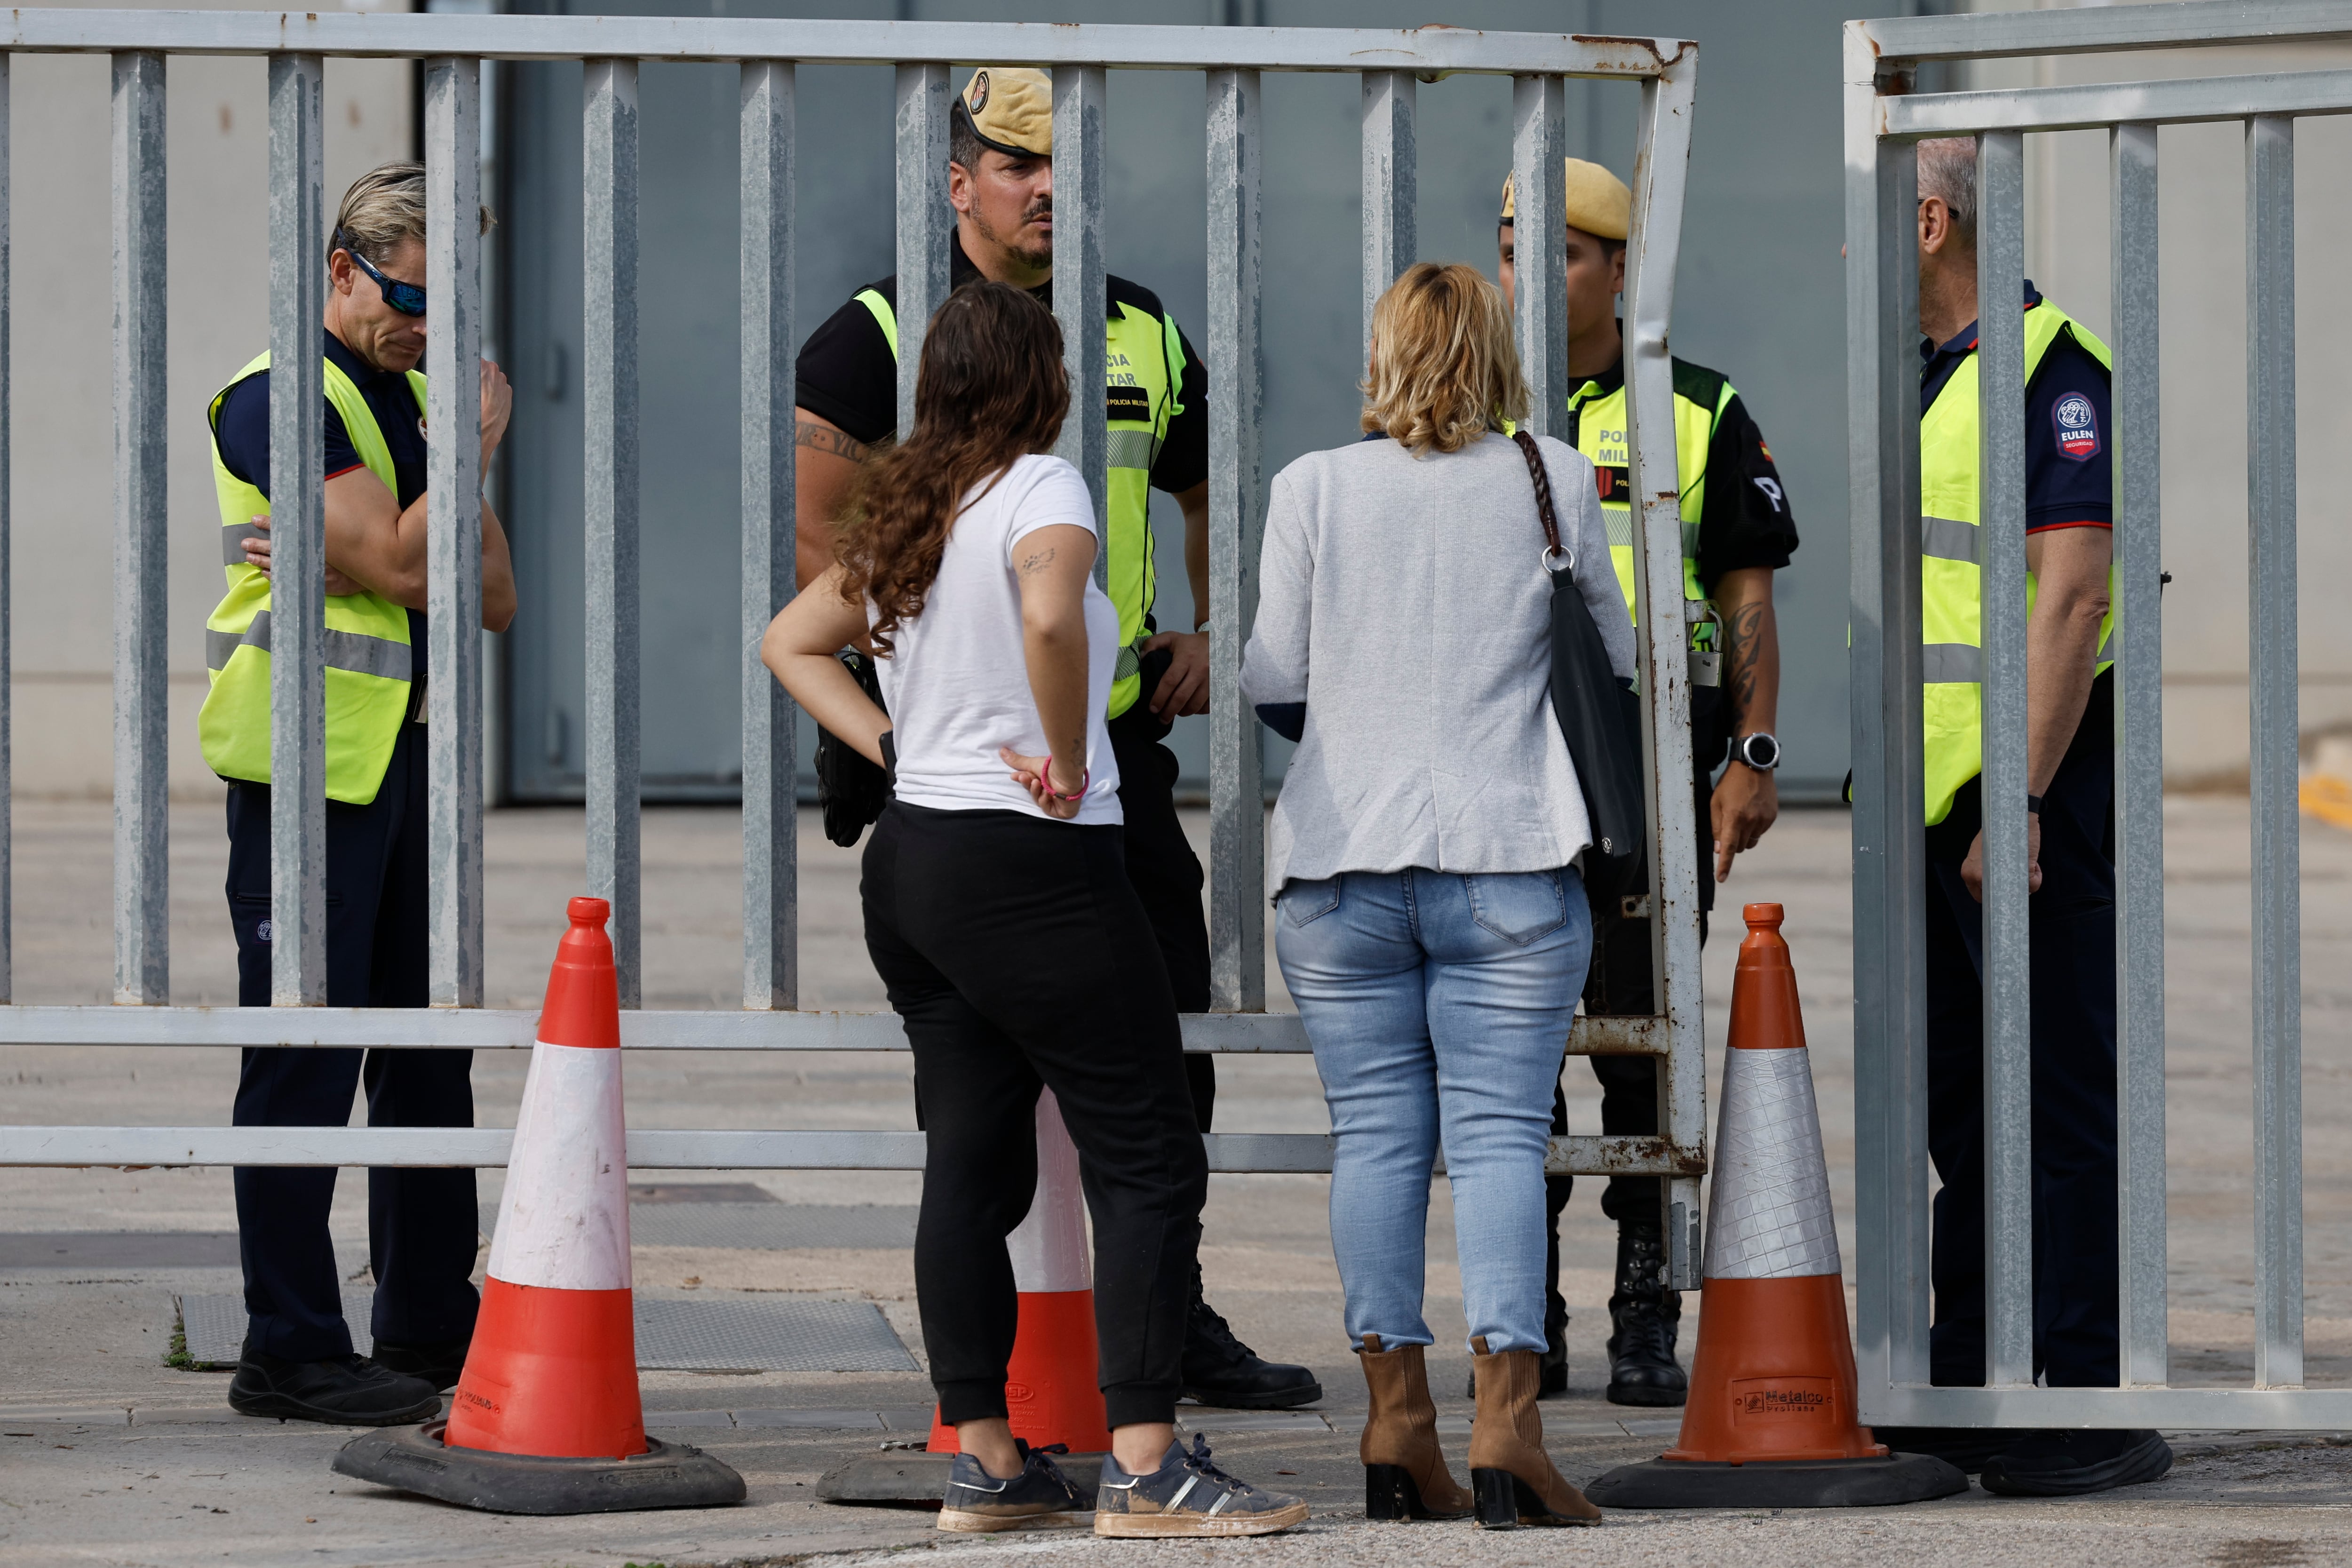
(243, 432)
(2069, 467)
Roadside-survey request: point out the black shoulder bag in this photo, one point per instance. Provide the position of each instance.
(1600, 719)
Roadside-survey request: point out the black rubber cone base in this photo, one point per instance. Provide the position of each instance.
(911, 1475)
(1777, 1483)
(415, 1460)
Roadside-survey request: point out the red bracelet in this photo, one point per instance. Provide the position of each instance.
(1045, 778)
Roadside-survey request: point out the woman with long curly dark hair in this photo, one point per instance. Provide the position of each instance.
(999, 915)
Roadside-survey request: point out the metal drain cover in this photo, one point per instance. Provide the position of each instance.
(767, 1335)
(760, 1225)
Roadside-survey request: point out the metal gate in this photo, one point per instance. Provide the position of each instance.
(1883, 118)
(452, 47)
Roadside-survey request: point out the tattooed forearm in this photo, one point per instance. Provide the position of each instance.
(1743, 646)
(825, 439)
(1033, 564)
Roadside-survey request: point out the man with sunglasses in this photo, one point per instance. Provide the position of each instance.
(297, 1360)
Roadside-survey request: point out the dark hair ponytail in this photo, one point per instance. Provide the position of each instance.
(991, 388)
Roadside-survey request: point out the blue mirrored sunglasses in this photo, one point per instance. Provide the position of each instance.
(405, 297)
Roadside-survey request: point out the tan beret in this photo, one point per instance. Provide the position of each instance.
(1011, 110)
(1598, 202)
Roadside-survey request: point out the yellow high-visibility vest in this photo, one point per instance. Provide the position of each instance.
(367, 635)
(1952, 599)
(1597, 427)
(1144, 362)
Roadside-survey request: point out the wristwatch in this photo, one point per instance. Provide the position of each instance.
(1760, 751)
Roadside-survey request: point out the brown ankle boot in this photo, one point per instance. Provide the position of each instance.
(1404, 1470)
(1511, 1477)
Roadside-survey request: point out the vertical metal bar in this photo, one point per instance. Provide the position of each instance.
(1236, 408)
(7, 667)
(610, 330)
(2277, 875)
(1890, 1010)
(1080, 290)
(453, 527)
(1661, 172)
(297, 673)
(771, 847)
(141, 827)
(2139, 754)
(1538, 149)
(1391, 177)
(2007, 1011)
(926, 221)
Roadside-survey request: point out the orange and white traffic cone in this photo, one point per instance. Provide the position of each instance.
(1052, 1385)
(1772, 1420)
(546, 1417)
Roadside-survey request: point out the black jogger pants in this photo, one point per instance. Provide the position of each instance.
(1017, 953)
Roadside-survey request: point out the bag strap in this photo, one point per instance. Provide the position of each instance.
(1536, 471)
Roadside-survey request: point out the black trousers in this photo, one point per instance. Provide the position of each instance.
(1621, 984)
(2076, 1275)
(1018, 955)
(422, 1225)
(1165, 873)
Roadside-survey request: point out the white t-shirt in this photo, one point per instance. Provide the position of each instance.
(957, 684)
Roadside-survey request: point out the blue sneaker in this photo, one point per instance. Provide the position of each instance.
(1039, 1498)
(1187, 1495)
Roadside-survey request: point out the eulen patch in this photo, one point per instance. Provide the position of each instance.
(2077, 424)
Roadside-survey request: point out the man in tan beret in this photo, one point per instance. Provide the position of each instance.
(1737, 531)
(1000, 179)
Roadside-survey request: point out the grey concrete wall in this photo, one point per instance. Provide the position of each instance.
(1759, 297)
(62, 401)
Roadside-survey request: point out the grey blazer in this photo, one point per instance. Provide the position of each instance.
(1403, 601)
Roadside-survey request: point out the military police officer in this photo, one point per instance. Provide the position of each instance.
(422, 1224)
(1000, 179)
(1736, 533)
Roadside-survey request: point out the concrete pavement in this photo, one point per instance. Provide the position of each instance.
(109, 1457)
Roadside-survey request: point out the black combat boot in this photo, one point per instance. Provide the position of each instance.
(1643, 1315)
(1220, 1370)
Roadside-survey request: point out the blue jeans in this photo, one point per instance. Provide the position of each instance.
(1437, 1002)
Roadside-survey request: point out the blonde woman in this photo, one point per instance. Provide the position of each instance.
(1431, 923)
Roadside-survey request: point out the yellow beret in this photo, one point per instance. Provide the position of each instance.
(1011, 110)
(1598, 202)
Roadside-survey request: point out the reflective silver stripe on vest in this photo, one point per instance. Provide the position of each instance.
(1133, 449)
(233, 538)
(1620, 522)
(352, 651)
(1951, 663)
(1950, 539)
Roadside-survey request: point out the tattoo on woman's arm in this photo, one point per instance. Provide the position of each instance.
(825, 439)
(1033, 564)
(1743, 647)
